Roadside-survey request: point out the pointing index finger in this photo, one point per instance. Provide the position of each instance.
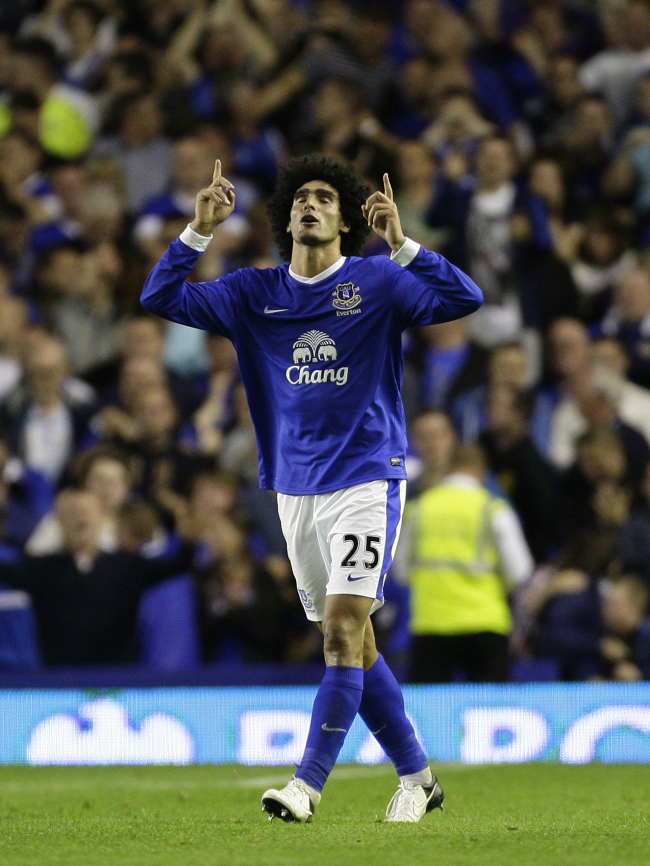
(217, 171)
(388, 189)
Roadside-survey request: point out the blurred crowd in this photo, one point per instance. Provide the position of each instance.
(517, 137)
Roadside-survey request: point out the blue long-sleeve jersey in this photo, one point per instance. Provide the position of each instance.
(321, 362)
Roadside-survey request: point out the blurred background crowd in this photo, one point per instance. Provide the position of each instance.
(517, 137)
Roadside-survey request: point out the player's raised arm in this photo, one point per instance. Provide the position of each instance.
(381, 212)
(210, 306)
(431, 289)
(213, 204)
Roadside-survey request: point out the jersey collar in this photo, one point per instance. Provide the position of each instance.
(323, 274)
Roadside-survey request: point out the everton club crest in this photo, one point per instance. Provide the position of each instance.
(346, 297)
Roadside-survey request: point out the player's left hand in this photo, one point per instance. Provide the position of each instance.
(381, 212)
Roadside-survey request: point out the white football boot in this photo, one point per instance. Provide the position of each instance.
(412, 801)
(295, 802)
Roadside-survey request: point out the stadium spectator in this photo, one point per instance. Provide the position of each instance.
(510, 365)
(553, 293)
(599, 403)
(458, 532)
(151, 437)
(344, 126)
(236, 587)
(215, 414)
(140, 362)
(586, 149)
(239, 450)
(616, 70)
(116, 419)
(443, 362)
(524, 476)
(126, 74)
(80, 32)
(612, 365)
(484, 235)
(563, 93)
(167, 628)
(242, 608)
(192, 167)
(89, 212)
(140, 148)
(629, 171)
(625, 646)
(570, 360)
(635, 532)
(416, 101)
(67, 117)
(82, 310)
(568, 626)
(597, 631)
(354, 48)
(13, 322)
(416, 172)
(435, 440)
(456, 132)
(25, 498)
(107, 473)
(86, 601)
(595, 497)
(21, 178)
(629, 321)
(598, 262)
(47, 413)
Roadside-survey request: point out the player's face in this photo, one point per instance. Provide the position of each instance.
(316, 214)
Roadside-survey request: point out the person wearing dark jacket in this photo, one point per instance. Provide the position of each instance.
(527, 478)
(496, 224)
(442, 364)
(46, 415)
(86, 601)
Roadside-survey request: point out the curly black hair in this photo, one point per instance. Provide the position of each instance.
(352, 191)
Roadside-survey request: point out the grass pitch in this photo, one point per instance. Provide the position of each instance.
(524, 815)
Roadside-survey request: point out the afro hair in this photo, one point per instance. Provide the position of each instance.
(352, 191)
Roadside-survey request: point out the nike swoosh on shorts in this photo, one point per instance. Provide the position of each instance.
(363, 577)
(283, 310)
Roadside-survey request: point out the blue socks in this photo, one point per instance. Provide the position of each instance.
(377, 697)
(335, 707)
(382, 709)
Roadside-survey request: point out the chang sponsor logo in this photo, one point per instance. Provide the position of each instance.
(315, 347)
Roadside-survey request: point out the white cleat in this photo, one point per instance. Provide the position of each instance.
(412, 801)
(294, 802)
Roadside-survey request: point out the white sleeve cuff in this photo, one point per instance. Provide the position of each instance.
(515, 558)
(194, 240)
(406, 253)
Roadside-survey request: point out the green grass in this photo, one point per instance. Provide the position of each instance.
(525, 815)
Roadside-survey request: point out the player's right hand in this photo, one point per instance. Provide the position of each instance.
(213, 204)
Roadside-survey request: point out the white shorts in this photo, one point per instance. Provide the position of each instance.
(342, 543)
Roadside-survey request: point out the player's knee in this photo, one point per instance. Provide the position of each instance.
(342, 635)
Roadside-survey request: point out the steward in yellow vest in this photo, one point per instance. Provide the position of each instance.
(67, 116)
(465, 551)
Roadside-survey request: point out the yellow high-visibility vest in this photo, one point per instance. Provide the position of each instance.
(5, 118)
(62, 129)
(454, 578)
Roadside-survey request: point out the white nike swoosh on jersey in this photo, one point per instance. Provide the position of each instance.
(283, 310)
(325, 728)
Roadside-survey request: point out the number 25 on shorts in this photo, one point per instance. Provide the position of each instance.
(371, 548)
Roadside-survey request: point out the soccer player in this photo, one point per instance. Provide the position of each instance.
(319, 349)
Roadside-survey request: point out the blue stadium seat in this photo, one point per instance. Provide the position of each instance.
(167, 625)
